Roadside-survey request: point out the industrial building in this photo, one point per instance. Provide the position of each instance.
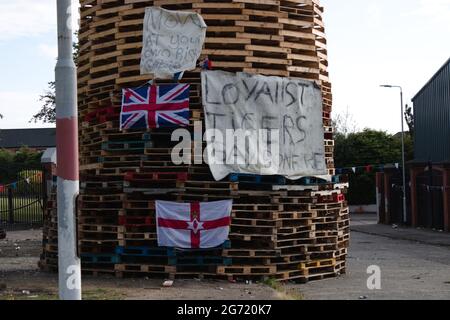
(430, 170)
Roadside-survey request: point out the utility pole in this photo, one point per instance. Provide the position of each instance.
(405, 215)
(69, 265)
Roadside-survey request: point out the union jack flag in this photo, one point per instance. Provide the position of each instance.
(152, 106)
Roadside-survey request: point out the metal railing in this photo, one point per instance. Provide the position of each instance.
(22, 201)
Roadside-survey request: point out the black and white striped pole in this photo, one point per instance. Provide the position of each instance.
(69, 266)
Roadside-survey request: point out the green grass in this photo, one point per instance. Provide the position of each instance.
(31, 297)
(31, 213)
(281, 290)
(102, 294)
(96, 294)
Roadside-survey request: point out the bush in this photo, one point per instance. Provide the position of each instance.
(12, 164)
(369, 147)
(362, 189)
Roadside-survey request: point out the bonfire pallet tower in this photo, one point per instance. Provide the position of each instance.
(279, 230)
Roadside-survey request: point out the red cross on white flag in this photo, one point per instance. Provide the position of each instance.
(193, 226)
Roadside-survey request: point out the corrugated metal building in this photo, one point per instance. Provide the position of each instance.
(428, 191)
(432, 118)
(430, 171)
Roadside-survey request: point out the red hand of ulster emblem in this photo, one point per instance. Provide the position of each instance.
(195, 226)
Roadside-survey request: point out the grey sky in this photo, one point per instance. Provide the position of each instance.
(370, 42)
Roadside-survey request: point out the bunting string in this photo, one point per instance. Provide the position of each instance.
(427, 187)
(13, 185)
(366, 168)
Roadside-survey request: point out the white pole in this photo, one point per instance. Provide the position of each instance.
(67, 157)
(405, 214)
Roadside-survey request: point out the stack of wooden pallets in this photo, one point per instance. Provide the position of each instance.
(281, 229)
(49, 257)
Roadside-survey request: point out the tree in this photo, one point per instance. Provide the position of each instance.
(47, 114)
(343, 123)
(409, 117)
(13, 163)
(369, 147)
(361, 149)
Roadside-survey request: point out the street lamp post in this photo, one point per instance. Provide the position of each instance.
(67, 157)
(403, 149)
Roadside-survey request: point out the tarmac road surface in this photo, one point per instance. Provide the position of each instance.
(416, 269)
(414, 264)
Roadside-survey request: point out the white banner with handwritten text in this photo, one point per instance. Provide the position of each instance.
(173, 41)
(263, 125)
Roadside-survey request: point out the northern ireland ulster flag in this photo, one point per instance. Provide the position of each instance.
(193, 226)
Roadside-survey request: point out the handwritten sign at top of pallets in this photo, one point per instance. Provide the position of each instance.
(173, 41)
